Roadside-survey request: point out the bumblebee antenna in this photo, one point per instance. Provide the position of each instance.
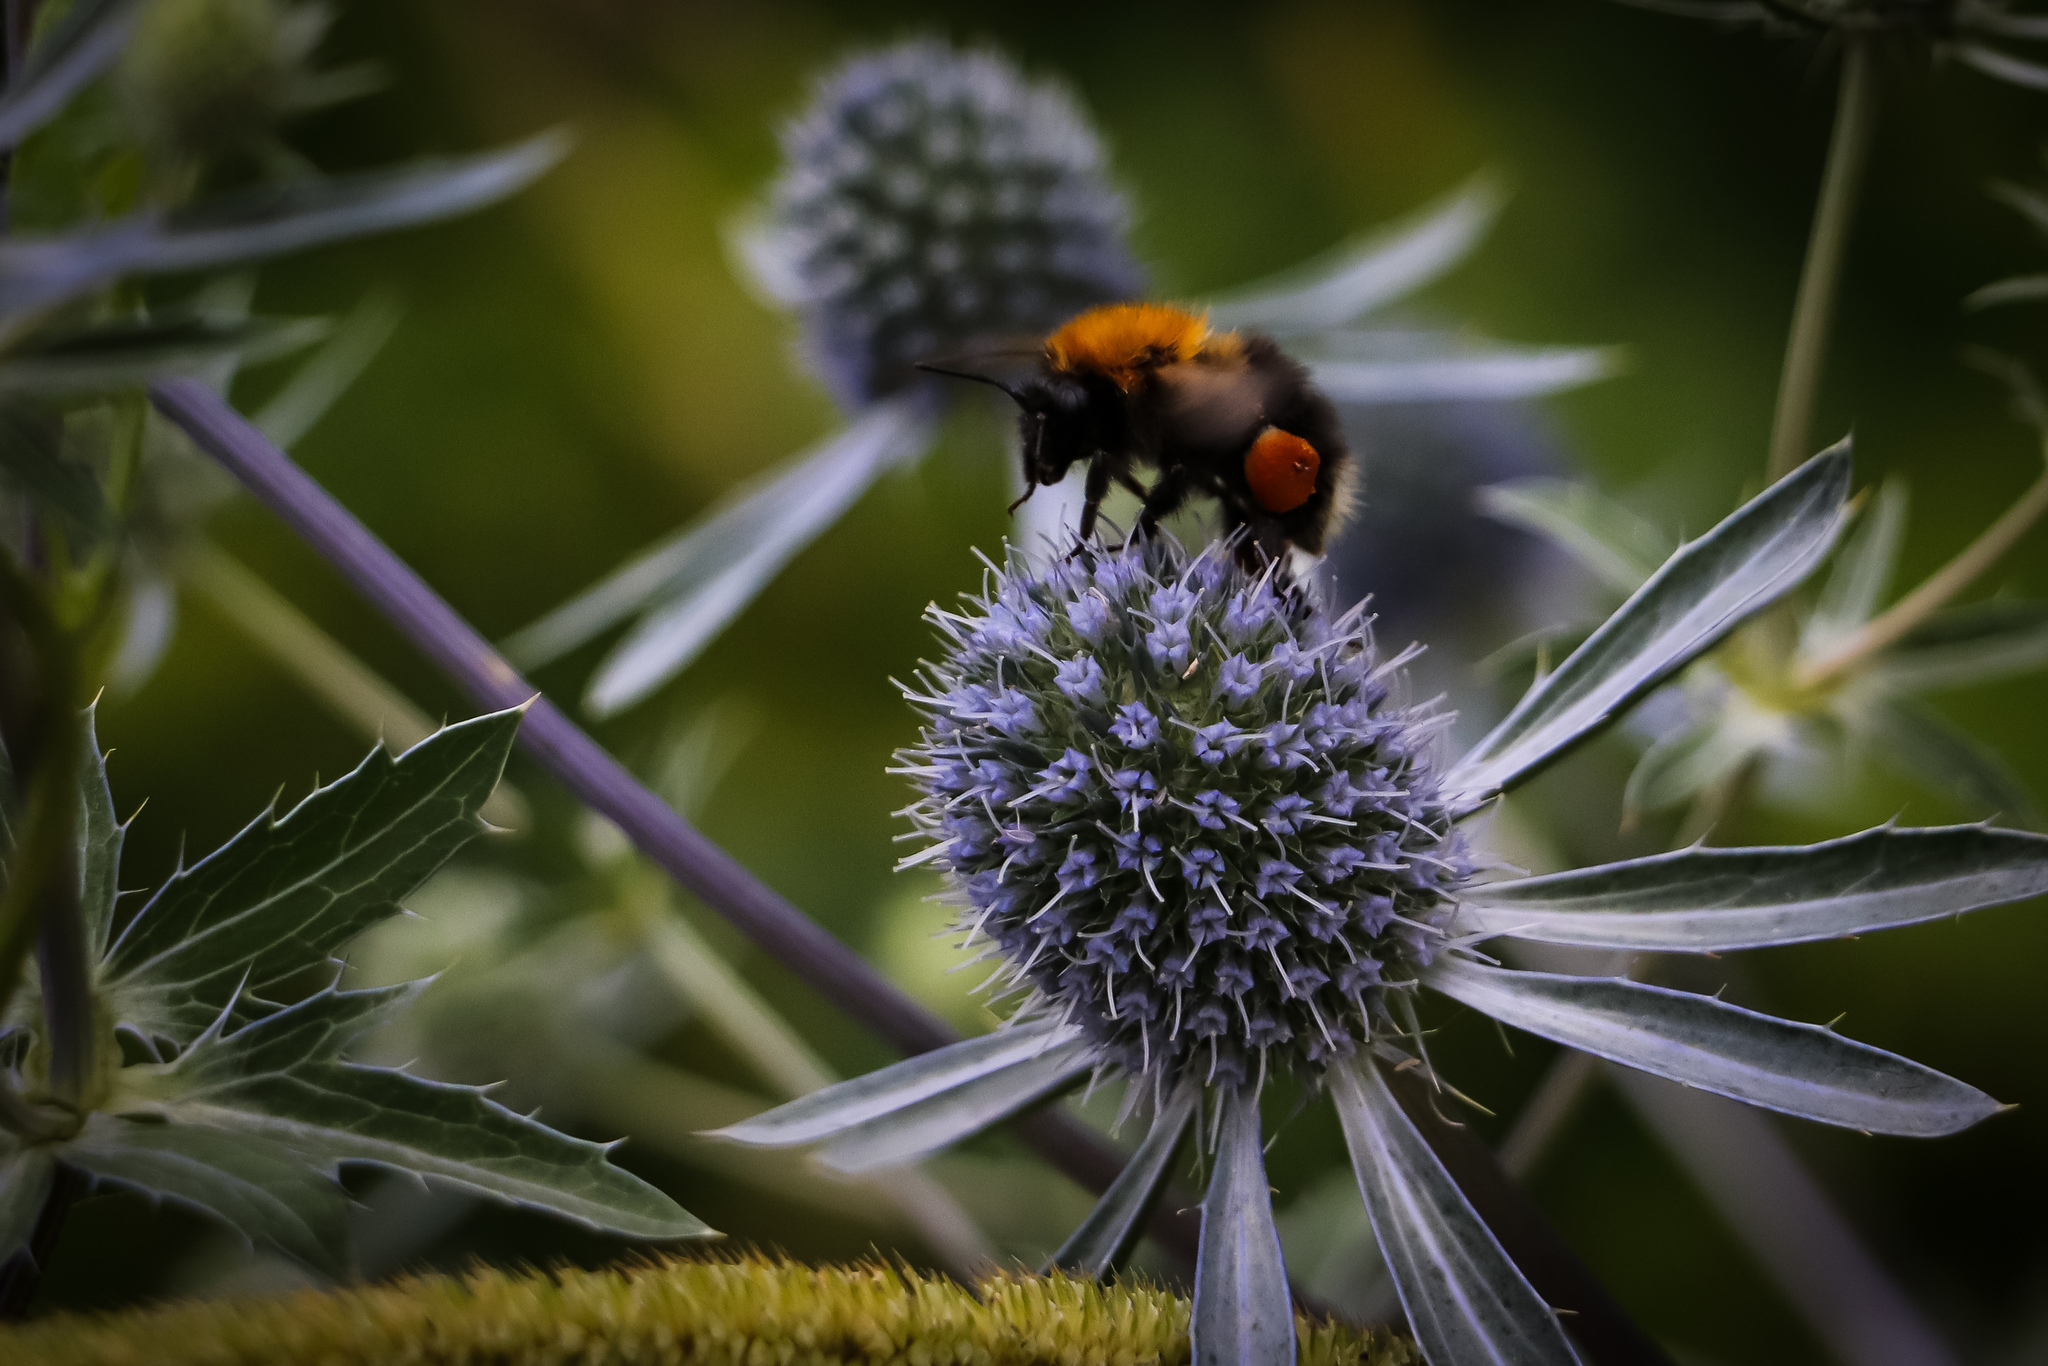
(989, 380)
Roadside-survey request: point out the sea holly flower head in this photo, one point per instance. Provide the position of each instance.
(931, 198)
(1199, 950)
(1189, 739)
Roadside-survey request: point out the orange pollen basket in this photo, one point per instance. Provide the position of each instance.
(1281, 468)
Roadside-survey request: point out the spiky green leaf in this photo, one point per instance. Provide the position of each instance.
(1974, 644)
(327, 374)
(1925, 746)
(1705, 900)
(915, 1130)
(251, 225)
(1476, 374)
(693, 585)
(32, 459)
(1762, 551)
(1361, 276)
(283, 895)
(1795, 1069)
(1466, 1301)
(281, 1080)
(132, 352)
(1243, 1315)
(1687, 762)
(845, 1105)
(2016, 289)
(1105, 1237)
(1618, 547)
(253, 1184)
(99, 835)
(78, 47)
(1861, 573)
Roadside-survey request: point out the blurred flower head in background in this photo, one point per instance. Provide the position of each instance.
(206, 82)
(932, 199)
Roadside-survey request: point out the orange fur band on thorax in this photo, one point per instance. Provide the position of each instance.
(1124, 341)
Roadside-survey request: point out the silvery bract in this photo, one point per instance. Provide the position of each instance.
(1849, 685)
(934, 200)
(1186, 818)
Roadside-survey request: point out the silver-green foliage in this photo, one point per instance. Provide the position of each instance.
(244, 1107)
(1465, 1299)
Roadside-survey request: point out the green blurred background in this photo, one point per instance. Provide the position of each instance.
(581, 371)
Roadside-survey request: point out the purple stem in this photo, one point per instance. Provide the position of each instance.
(832, 969)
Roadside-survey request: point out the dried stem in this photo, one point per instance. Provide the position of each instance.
(1826, 247)
(1889, 628)
(830, 968)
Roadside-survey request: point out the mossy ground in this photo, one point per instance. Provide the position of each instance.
(750, 1310)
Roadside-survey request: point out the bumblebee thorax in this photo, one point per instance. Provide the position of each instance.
(1125, 342)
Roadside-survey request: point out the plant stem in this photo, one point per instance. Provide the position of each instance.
(322, 665)
(1757, 1184)
(1820, 278)
(718, 879)
(778, 1054)
(1940, 588)
(1556, 1098)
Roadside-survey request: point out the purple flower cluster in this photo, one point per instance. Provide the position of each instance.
(1178, 803)
(932, 199)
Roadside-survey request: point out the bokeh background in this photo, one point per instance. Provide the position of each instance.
(581, 370)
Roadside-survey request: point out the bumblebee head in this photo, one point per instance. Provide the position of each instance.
(1054, 426)
(1056, 422)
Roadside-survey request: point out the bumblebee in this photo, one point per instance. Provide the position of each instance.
(1220, 414)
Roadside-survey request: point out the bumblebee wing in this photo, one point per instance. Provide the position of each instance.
(1214, 407)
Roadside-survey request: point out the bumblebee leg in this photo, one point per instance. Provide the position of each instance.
(1164, 498)
(1130, 483)
(1095, 491)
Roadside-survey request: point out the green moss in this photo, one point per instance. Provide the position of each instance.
(750, 1311)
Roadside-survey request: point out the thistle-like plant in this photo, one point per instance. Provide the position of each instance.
(1183, 811)
(118, 500)
(216, 1077)
(934, 201)
(1799, 716)
(1974, 32)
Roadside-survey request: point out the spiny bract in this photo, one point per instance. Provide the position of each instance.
(931, 199)
(1180, 802)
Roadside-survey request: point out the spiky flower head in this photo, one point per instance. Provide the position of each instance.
(1182, 805)
(203, 79)
(933, 198)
